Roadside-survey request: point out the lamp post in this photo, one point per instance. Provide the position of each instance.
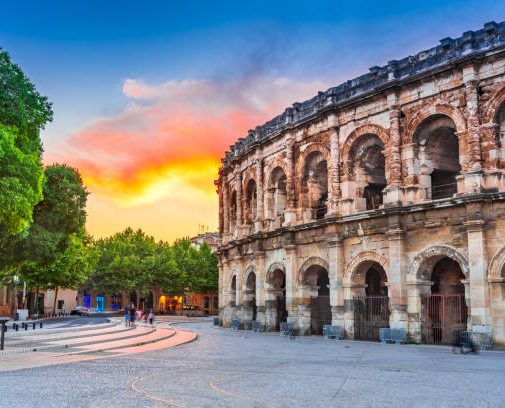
(15, 279)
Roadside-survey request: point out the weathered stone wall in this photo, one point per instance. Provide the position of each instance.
(402, 172)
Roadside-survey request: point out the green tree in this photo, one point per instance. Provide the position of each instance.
(23, 112)
(124, 262)
(54, 252)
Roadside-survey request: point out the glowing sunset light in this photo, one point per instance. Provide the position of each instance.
(168, 141)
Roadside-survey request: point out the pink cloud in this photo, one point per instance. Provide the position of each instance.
(176, 129)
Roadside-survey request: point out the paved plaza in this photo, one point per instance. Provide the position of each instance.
(223, 368)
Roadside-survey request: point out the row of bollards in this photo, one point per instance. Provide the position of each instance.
(24, 325)
(15, 326)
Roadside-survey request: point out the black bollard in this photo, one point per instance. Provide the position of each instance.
(16, 327)
(41, 325)
(26, 326)
(34, 325)
(2, 337)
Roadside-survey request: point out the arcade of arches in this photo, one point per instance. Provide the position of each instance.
(377, 203)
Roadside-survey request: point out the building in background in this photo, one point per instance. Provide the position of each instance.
(190, 303)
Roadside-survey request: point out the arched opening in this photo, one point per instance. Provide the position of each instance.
(276, 196)
(250, 297)
(438, 148)
(369, 165)
(233, 211)
(276, 304)
(250, 203)
(444, 308)
(233, 291)
(498, 156)
(315, 185)
(316, 277)
(371, 301)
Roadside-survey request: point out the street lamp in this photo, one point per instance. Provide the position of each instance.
(15, 279)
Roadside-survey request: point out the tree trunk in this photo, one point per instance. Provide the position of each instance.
(36, 302)
(55, 299)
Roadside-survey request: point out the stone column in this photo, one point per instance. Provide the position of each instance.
(477, 258)
(416, 289)
(393, 192)
(334, 175)
(290, 213)
(397, 274)
(259, 267)
(238, 189)
(226, 222)
(472, 122)
(259, 192)
(291, 284)
(470, 180)
(336, 275)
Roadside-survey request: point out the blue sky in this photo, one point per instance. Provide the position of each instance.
(82, 54)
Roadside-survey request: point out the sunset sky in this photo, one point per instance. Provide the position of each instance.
(149, 94)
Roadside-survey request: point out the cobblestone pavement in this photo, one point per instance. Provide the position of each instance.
(242, 369)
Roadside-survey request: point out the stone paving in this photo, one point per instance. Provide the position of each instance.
(242, 369)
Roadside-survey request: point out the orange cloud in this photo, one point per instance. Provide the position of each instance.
(167, 143)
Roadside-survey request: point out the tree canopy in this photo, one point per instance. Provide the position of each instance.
(133, 260)
(23, 112)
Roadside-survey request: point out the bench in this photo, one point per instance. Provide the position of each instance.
(396, 336)
(332, 331)
(482, 335)
(287, 329)
(235, 324)
(257, 326)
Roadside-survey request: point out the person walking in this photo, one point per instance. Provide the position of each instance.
(151, 317)
(126, 316)
(132, 315)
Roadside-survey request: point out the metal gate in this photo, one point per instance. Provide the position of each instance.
(370, 314)
(320, 313)
(442, 316)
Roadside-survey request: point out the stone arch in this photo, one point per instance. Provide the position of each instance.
(277, 162)
(312, 181)
(363, 258)
(276, 266)
(496, 100)
(312, 261)
(422, 265)
(248, 175)
(434, 109)
(496, 266)
(363, 130)
(248, 272)
(493, 130)
(311, 148)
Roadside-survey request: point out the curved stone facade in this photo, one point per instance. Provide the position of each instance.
(391, 185)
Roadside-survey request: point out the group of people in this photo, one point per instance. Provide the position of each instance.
(131, 314)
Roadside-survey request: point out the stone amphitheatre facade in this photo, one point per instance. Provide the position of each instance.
(378, 203)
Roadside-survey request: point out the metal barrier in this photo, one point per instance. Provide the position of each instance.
(482, 335)
(332, 331)
(396, 336)
(235, 324)
(287, 329)
(257, 326)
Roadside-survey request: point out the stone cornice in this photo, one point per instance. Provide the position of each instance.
(382, 212)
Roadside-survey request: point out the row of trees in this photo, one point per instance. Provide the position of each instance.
(133, 260)
(43, 214)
